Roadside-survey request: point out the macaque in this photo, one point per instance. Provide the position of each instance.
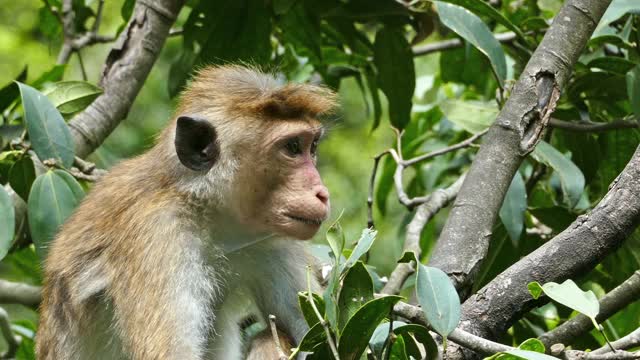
(173, 249)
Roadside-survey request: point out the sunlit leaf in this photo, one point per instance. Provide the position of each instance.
(475, 31)
(569, 294)
(49, 135)
(72, 96)
(364, 244)
(472, 116)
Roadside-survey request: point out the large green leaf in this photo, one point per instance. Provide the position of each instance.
(49, 135)
(438, 299)
(307, 311)
(393, 58)
(513, 207)
(53, 197)
(21, 176)
(363, 323)
(482, 8)
(398, 350)
(7, 222)
(476, 32)
(72, 96)
(633, 90)
(612, 64)
(357, 289)
(571, 178)
(472, 116)
(363, 245)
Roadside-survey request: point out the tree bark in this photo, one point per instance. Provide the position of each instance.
(125, 71)
(571, 253)
(464, 242)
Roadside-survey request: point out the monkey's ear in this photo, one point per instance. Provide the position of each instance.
(196, 143)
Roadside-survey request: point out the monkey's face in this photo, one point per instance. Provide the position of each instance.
(279, 184)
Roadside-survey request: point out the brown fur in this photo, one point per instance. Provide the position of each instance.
(129, 232)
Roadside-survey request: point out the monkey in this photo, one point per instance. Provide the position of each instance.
(168, 252)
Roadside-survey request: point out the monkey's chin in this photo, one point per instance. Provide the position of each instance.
(302, 228)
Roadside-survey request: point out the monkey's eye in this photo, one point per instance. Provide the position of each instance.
(314, 146)
(293, 146)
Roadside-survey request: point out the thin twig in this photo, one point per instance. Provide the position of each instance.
(465, 143)
(13, 341)
(590, 126)
(424, 213)
(276, 338)
(323, 322)
(81, 62)
(626, 342)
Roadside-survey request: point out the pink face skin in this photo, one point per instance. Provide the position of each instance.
(283, 192)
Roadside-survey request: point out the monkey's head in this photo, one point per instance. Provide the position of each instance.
(253, 141)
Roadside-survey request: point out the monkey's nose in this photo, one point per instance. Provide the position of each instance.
(323, 195)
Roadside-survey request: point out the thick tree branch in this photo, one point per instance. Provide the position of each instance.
(570, 254)
(126, 69)
(611, 303)
(424, 213)
(464, 241)
(18, 293)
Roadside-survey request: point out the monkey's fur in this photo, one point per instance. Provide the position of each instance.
(162, 259)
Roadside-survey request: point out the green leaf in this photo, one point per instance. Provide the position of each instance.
(72, 96)
(513, 207)
(393, 58)
(9, 93)
(472, 116)
(53, 197)
(535, 289)
(385, 184)
(313, 337)
(380, 335)
(300, 27)
(363, 245)
(569, 294)
(282, 6)
(398, 350)
(357, 289)
(372, 85)
(633, 90)
(7, 222)
(438, 298)
(482, 8)
(127, 9)
(571, 178)
(612, 64)
(615, 11)
(476, 32)
(335, 238)
(307, 311)
(49, 135)
(532, 345)
(358, 331)
(529, 355)
(21, 176)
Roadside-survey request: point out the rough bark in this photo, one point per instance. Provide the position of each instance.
(570, 254)
(464, 242)
(125, 71)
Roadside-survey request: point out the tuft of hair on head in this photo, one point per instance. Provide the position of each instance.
(241, 89)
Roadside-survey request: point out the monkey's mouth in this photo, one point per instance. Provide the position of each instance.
(306, 221)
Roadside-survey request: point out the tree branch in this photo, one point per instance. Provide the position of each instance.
(424, 213)
(464, 241)
(571, 253)
(590, 126)
(611, 303)
(13, 342)
(626, 342)
(18, 293)
(427, 49)
(126, 68)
